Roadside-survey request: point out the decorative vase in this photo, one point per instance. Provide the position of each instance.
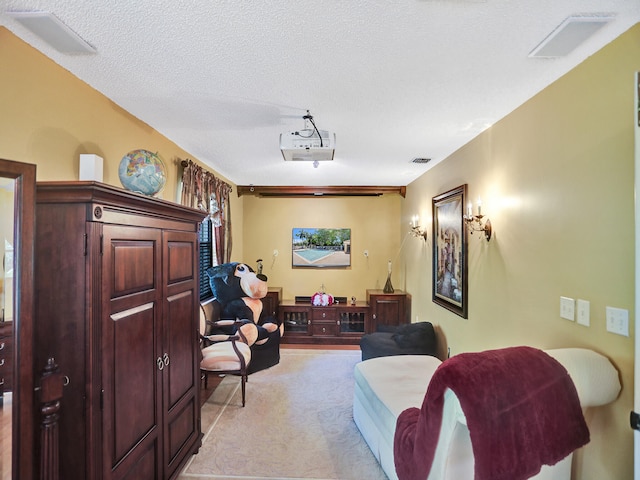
(388, 288)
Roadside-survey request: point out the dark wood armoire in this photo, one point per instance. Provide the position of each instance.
(117, 307)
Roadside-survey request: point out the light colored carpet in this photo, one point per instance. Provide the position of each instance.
(297, 424)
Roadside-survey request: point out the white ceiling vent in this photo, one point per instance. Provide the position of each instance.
(568, 35)
(420, 160)
(51, 29)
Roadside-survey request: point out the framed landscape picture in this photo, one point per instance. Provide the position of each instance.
(450, 251)
(321, 247)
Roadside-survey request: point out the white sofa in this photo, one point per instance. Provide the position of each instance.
(386, 386)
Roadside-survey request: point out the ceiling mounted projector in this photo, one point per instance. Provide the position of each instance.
(308, 144)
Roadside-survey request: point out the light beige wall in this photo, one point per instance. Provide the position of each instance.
(374, 223)
(49, 117)
(556, 179)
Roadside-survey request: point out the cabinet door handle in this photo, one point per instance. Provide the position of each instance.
(2, 362)
(324, 330)
(160, 363)
(324, 314)
(165, 359)
(2, 346)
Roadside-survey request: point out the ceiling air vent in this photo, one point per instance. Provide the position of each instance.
(53, 31)
(421, 160)
(569, 35)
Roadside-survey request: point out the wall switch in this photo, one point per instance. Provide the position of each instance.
(567, 308)
(618, 321)
(582, 316)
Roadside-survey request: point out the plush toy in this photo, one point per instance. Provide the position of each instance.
(321, 299)
(239, 291)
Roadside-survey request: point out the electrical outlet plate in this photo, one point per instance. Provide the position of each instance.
(567, 308)
(618, 321)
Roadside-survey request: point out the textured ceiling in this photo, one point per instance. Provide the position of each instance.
(394, 79)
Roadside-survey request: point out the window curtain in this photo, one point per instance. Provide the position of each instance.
(202, 189)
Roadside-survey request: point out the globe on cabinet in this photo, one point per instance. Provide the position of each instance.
(142, 171)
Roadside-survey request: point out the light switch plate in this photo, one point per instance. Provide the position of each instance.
(582, 316)
(567, 308)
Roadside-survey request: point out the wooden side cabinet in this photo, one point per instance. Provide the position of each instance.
(388, 308)
(271, 303)
(117, 307)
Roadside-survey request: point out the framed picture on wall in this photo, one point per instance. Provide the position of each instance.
(450, 251)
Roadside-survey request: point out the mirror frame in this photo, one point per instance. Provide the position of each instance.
(23, 452)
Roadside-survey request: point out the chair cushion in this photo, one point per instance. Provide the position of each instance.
(222, 357)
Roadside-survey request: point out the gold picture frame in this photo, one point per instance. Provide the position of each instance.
(450, 251)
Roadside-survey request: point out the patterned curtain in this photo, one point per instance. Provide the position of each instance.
(221, 218)
(201, 189)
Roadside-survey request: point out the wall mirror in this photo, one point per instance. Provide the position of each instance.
(17, 221)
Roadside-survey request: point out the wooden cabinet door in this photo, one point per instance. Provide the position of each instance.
(132, 357)
(270, 304)
(389, 309)
(181, 347)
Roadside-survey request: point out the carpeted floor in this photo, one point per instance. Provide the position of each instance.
(297, 424)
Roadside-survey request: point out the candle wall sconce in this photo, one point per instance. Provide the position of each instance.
(477, 223)
(416, 230)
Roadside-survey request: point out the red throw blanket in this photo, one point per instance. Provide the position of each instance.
(522, 412)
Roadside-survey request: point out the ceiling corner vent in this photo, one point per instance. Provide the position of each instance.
(53, 31)
(569, 35)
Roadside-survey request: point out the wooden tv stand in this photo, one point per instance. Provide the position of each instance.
(342, 323)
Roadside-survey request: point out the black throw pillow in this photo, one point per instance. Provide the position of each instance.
(416, 336)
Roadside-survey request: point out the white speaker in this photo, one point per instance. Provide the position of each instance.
(90, 167)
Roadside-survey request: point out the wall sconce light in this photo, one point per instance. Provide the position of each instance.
(416, 230)
(475, 222)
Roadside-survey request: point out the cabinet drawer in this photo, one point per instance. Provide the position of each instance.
(6, 364)
(324, 313)
(325, 329)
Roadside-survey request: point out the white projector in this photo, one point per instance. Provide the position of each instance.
(305, 145)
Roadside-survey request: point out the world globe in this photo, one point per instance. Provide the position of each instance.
(142, 171)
